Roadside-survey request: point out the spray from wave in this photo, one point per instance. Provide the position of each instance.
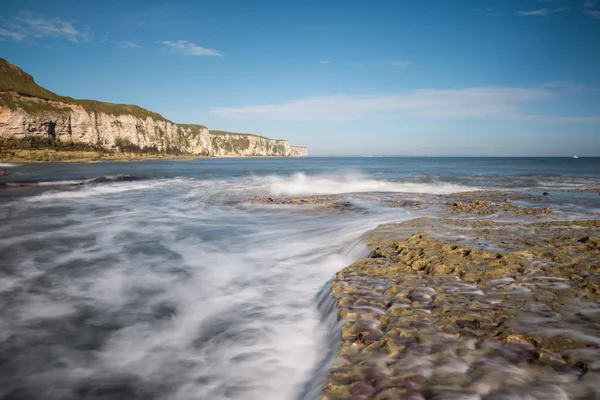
(301, 184)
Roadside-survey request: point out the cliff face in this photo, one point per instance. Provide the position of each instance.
(56, 122)
(226, 143)
(29, 114)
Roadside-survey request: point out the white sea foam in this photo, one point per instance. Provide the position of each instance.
(86, 192)
(59, 183)
(197, 300)
(301, 184)
(8, 165)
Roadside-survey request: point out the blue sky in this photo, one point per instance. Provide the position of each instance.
(405, 77)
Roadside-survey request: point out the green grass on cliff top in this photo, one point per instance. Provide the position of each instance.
(14, 79)
(193, 127)
(223, 133)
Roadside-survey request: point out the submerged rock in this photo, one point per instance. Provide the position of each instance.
(325, 201)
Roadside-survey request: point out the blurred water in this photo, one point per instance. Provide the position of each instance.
(156, 280)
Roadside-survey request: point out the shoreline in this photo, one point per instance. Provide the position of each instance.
(501, 285)
(61, 155)
(78, 155)
(469, 307)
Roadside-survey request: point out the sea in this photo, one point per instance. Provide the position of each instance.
(159, 279)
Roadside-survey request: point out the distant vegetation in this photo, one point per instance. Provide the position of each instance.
(15, 80)
(223, 133)
(193, 127)
(32, 107)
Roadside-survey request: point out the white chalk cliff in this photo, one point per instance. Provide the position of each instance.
(32, 114)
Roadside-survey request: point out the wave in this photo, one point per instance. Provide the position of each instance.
(117, 178)
(562, 183)
(301, 184)
(73, 182)
(202, 302)
(96, 190)
(8, 165)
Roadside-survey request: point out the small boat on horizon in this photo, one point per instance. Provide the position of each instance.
(575, 156)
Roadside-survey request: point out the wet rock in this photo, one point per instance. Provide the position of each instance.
(343, 376)
(409, 204)
(471, 324)
(342, 396)
(264, 199)
(3, 172)
(320, 202)
(362, 388)
(485, 207)
(391, 394)
(457, 320)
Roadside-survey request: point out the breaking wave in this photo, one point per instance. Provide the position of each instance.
(98, 191)
(301, 184)
(72, 182)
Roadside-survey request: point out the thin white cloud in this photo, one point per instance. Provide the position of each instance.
(542, 11)
(558, 118)
(191, 49)
(128, 45)
(104, 38)
(400, 63)
(569, 86)
(324, 62)
(26, 24)
(589, 9)
(563, 85)
(140, 23)
(39, 26)
(12, 34)
(477, 102)
(554, 84)
(492, 11)
(593, 13)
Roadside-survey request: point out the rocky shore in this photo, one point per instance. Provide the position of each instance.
(471, 309)
(500, 300)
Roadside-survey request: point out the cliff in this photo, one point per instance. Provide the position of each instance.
(34, 117)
